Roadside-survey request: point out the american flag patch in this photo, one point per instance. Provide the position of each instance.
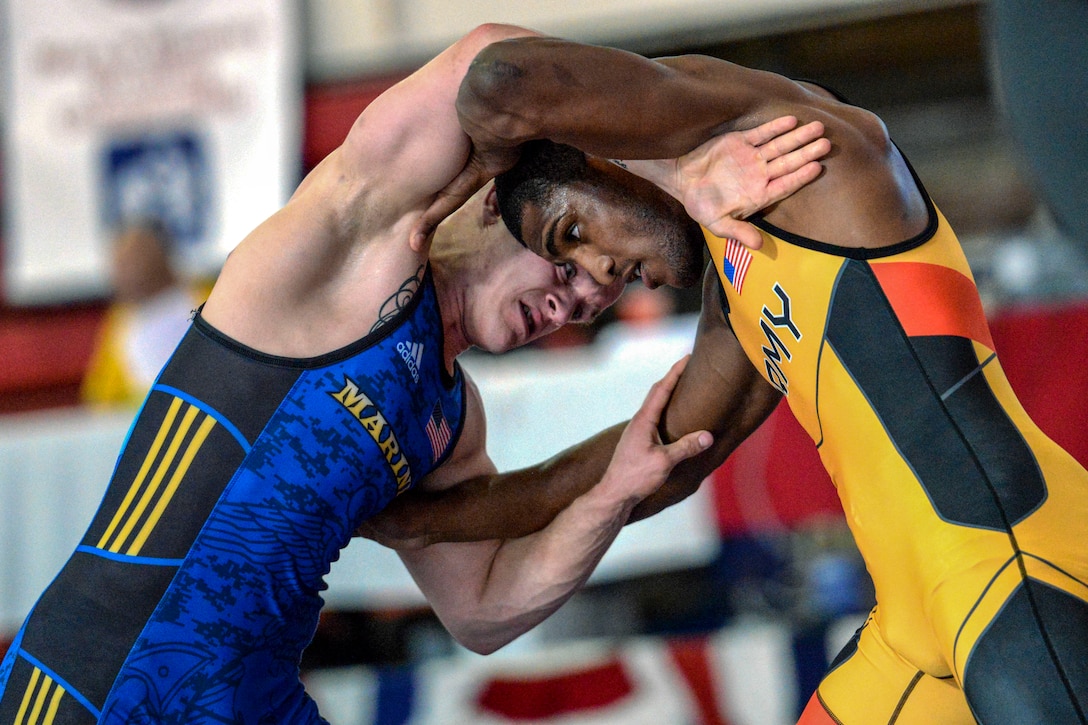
(735, 263)
(438, 431)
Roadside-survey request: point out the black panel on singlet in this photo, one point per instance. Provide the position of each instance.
(244, 386)
(935, 438)
(1015, 676)
(23, 677)
(205, 475)
(119, 607)
(1009, 465)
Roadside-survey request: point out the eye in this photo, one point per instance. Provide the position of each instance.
(574, 233)
(568, 270)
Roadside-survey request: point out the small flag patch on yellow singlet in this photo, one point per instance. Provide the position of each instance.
(735, 263)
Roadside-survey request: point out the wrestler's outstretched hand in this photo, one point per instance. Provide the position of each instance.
(642, 461)
(732, 176)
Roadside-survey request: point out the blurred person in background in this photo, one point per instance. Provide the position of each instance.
(148, 314)
(317, 383)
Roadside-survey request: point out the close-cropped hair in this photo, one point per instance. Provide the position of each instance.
(542, 167)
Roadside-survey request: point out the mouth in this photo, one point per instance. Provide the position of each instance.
(650, 280)
(531, 324)
(639, 271)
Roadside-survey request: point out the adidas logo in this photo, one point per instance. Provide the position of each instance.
(412, 354)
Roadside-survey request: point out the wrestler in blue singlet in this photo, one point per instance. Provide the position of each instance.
(197, 586)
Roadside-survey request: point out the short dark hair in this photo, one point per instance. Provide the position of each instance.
(542, 167)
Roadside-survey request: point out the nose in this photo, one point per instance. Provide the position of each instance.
(609, 294)
(600, 266)
(592, 298)
(559, 307)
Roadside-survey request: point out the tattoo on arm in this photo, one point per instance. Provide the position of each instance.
(399, 299)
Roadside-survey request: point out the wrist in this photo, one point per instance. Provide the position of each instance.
(612, 498)
(663, 173)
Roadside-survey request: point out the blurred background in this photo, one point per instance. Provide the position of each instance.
(142, 139)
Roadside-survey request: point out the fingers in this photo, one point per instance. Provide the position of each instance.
(794, 160)
(729, 228)
(765, 132)
(687, 447)
(654, 404)
(460, 189)
(660, 392)
(782, 186)
(785, 143)
(443, 205)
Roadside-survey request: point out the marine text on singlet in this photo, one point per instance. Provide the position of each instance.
(363, 409)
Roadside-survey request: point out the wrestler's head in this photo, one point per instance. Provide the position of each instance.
(495, 294)
(569, 207)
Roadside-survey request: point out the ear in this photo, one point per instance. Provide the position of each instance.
(491, 206)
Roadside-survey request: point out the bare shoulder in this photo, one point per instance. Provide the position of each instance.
(867, 195)
(409, 139)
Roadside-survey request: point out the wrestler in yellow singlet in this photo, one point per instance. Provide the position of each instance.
(971, 521)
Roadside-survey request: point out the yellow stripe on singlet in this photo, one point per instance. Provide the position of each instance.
(39, 695)
(172, 487)
(153, 485)
(144, 492)
(54, 705)
(149, 460)
(27, 695)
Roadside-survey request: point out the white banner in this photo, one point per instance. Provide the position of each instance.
(187, 111)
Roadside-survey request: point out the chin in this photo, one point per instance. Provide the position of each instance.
(688, 277)
(496, 346)
(687, 265)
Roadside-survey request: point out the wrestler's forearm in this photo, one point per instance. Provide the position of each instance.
(490, 592)
(605, 101)
(525, 579)
(519, 503)
(500, 505)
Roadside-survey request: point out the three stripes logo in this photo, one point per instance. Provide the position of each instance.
(41, 700)
(180, 437)
(412, 353)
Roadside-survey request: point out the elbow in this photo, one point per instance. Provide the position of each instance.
(488, 627)
(480, 645)
(482, 638)
(491, 98)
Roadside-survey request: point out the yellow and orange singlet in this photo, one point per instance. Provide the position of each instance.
(969, 518)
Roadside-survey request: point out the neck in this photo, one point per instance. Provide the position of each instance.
(457, 256)
(451, 305)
